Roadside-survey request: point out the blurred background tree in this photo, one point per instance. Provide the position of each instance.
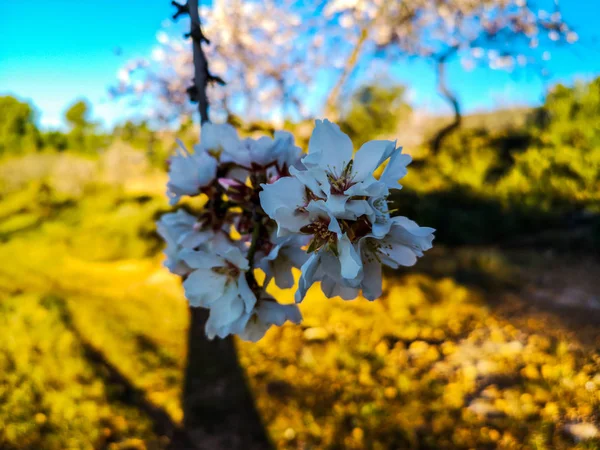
(83, 135)
(497, 34)
(374, 110)
(18, 131)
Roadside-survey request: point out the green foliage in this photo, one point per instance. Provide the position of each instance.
(562, 168)
(141, 136)
(77, 115)
(490, 184)
(55, 140)
(82, 136)
(18, 133)
(373, 111)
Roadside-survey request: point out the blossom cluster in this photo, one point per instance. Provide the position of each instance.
(272, 208)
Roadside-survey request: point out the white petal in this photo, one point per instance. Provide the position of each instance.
(194, 239)
(359, 208)
(255, 330)
(395, 169)
(207, 168)
(329, 148)
(310, 179)
(226, 309)
(407, 232)
(189, 173)
(246, 293)
(281, 200)
(262, 150)
(332, 288)
(287, 152)
(235, 256)
(381, 227)
(370, 187)
(351, 264)
(282, 271)
(218, 137)
(200, 259)
(308, 278)
(178, 223)
(275, 313)
(203, 287)
(337, 204)
(370, 156)
(397, 254)
(372, 281)
(412, 226)
(295, 254)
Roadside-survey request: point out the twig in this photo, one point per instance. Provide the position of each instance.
(181, 9)
(200, 62)
(255, 237)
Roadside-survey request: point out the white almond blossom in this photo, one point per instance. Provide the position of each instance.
(189, 173)
(273, 210)
(218, 282)
(180, 230)
(276, 154)
(337, 200)
(401, 246)
(216, 139)
(284, 254)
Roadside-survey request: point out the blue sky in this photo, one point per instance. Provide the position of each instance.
(55, 51)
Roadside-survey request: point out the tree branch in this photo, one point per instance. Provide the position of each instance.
(181, 9)
(219, 410)
(450, 97)
(200, 62)
(351, 63)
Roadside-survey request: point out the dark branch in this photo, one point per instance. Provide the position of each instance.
(181, 9)
(216, 79)
(202, 76)
(450, 97)
(197, 35)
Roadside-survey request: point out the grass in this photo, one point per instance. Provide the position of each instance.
(92, 348)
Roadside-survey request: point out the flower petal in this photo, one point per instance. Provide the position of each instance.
(332, 288)
(281, 201)
(372, 281)
(218, 137)
(308, 278)
(203, 287)
(200, 259)
(277, 314)
(351, 264)
(370, 156)
(246, 293)
(396, 254)
(328, 148)
(395, 169)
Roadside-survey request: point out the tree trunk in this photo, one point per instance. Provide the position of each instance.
(438, 139)
(219, 411)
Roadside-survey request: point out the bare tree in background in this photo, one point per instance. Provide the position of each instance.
(499, 34)
(269, 52)
(275, 54)
(219, 411)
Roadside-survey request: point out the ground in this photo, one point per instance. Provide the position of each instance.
(472, 348)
